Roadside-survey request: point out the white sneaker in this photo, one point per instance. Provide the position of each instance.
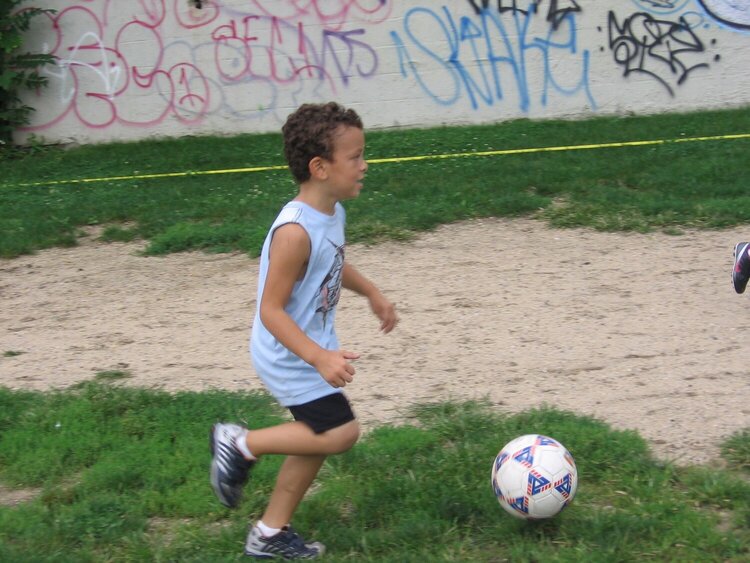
(287, 544)
(229, 468)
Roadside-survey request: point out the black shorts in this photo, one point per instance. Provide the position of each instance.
(325, 413)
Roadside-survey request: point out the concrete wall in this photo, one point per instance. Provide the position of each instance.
(143, 68)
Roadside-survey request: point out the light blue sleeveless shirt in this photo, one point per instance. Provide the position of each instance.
(312, 305)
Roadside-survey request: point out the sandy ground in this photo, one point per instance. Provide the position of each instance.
(642, 331)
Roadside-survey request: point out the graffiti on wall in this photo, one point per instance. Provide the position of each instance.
(115, 69)
(485, 57)
(557, 10)
(666, 50)
(730, 14)
(142, 63)
(734, 13)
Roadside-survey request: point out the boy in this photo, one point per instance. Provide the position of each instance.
(293, 343)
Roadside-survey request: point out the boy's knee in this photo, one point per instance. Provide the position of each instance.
(345, 436)
(354, 432)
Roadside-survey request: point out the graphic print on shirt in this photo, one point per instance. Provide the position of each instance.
(330, 289)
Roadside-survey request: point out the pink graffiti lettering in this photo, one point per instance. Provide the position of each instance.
(152, 60)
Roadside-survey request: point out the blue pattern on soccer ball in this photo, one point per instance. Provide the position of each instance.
(519, 504)
(537, 483)
(500, 459)
(525, 456)
(565, 485)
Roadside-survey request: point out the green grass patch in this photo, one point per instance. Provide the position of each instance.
(111, 375)
(737, 451)
(123, 474)
(669, 187)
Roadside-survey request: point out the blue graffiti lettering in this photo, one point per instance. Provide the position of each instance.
(441, 84)
(487, 58)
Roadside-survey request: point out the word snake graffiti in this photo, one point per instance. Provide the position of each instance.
(486, 58)
(658, 48)
(175, 66)
(129, 70)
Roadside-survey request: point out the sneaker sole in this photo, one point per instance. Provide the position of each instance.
(262, 556)
(279, 556)
(738, 252)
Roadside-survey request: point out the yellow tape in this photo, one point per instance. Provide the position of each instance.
(395, 159)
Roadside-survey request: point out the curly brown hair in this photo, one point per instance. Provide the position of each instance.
(309, 132)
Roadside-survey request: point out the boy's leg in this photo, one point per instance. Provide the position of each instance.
(295, 477)
(306, 451)
(323, 426)
(298, 439)
(230, 468)
(308, 443)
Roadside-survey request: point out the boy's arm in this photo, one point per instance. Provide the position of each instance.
(383, 309)
(288, 256)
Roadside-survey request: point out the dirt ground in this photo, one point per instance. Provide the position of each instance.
(642, 331)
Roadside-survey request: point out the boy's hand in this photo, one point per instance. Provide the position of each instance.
(385, 311)
(334, 366)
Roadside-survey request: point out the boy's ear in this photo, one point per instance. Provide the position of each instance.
(318, 168)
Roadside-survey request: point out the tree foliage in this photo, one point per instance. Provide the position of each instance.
(19, 70)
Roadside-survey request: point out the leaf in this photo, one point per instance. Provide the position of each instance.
(6, 79)
(10, 43)
(31, 60)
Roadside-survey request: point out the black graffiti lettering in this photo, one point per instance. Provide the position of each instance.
(657, 48)
(502, 6)
(477, 8)
(557, 10)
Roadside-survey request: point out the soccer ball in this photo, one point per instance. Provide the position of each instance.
(534, 477)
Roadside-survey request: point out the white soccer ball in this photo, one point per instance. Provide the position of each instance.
(534, 477)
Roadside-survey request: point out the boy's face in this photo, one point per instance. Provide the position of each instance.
(347, 168)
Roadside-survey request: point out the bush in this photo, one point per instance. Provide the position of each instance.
(18, 70)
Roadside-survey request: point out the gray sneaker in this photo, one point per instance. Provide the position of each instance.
(287, 544)
(229, 468)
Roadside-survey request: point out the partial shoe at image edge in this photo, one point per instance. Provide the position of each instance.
(741, 270)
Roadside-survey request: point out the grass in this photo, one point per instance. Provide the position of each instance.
(669, 187)
(111, 375)
(121, 472)
(123, 477)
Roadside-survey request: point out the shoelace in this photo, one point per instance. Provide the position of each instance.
(295, 539)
